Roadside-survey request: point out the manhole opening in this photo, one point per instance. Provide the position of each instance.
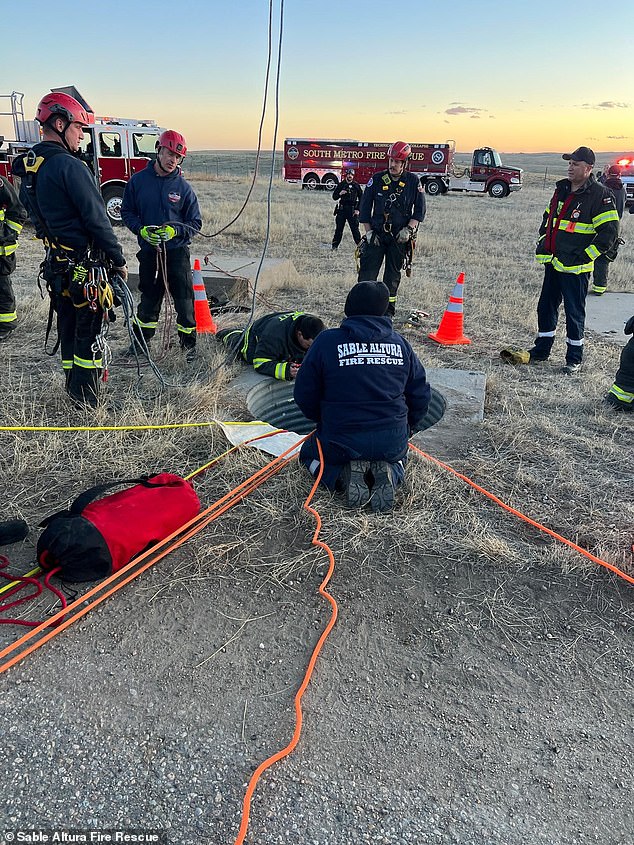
(272, 401)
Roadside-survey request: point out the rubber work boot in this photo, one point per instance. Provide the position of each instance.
(5, 332)
(382, 498)
(355, 486)
(618, 404)
(572, 369)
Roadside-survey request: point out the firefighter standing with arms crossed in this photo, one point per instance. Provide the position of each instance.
(82, 251)
(348, 195)
(12, 217)
(161, 208)
(392, 207)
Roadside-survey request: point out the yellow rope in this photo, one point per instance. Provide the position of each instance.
(118, 427)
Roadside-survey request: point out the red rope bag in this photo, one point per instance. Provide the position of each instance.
(93, 539)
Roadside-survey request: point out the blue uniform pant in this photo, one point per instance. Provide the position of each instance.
(388, 445)
(152, 289)
(383, 247)
(571, 289)
(346, 213)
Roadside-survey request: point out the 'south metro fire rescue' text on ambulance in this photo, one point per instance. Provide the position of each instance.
(113, 148)
(320, 164)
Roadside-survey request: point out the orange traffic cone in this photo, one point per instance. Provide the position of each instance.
(450, 328)
(204, 321)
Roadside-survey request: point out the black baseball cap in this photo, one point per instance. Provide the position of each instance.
(584, 154)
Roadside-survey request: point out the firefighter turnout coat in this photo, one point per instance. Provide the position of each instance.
(12, 217)
(577, 227)
(270, 344)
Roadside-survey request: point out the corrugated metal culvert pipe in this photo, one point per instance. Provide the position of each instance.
(272, 401)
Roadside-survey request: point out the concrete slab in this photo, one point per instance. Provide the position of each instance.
(606, 315)
(229, 277)
(275, 272)
(464, 391)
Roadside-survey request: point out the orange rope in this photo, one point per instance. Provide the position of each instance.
(279, 755)
(523, 516)
(132, 570)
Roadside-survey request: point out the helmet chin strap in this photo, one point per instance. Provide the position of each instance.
(158, 161)
(61, 135)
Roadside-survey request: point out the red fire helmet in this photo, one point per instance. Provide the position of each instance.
(174, 141)
(57, 104)
(400, 151)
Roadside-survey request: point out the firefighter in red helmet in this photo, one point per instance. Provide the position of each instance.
(161, 208)
(392, 207)
(82, 253)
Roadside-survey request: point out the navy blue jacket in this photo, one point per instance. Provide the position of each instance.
(70, 203)
(153, 200)
(360, 380)
(401, 199)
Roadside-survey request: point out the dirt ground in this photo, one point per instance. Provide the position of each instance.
(464, 696)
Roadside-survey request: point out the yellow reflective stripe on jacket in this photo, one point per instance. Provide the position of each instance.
(257, 362)
(592, 252)
(280, 371)
(66, 364)
(245, 343)
(10, 317)
(579, 228)
(86, 364)
(17, 227)
(544, 258)
(621, 394)
(605, 217)
(575, 269)
(8, 250)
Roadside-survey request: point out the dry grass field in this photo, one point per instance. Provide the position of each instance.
(478, 686)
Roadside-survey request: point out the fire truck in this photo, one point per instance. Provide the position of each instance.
(320, 164)
(113, 148)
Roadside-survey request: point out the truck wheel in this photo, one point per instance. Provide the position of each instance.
(113, 197)
(311, 182)
(498, 189)
(433, 187)
(330, 182)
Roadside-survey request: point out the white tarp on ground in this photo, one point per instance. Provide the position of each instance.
(240, 432)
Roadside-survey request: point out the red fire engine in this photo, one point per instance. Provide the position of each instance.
(114, 148)
(320, 164)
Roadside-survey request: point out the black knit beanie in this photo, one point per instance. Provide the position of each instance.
(367, 298)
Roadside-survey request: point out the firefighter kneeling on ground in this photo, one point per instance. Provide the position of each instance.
(621, 394)
(392, 207)
(12, 217)
(161, 208)
(275, 344)
(366, 390)
(83, 255)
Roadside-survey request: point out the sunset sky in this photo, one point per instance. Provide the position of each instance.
(520, 76)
